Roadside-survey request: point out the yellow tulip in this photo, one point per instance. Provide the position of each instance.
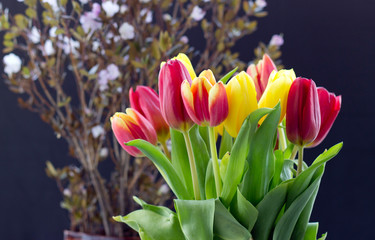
(242, 100)
(277, 90)
(186, 61)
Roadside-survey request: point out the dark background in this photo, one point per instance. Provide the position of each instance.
(332, 42)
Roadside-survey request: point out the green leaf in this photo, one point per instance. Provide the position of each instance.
(201, 156)
(164, 166)
(226, 227)
(244, 211)
(284, 228)
(210, 187)
(311, 231)
(287, 170)
(224, 166)
(203, 131)
(21, 21)
(226, 143)
(303, 180)
(164, 211)
(279, 163)
(180, 159)
(143, 221)
(323, 237)
(196, 218)
(261, 160)
(268, 210)
(228, 75)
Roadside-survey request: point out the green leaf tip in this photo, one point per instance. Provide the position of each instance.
(228, 75)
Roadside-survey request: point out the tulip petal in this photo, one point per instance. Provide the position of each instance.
(218, 104)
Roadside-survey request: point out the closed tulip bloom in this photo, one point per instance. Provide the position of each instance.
(260, 74)
(146, 101)
(277, 91)
(132, 125)
(186, 61)
(171, 76)
(205, 100)
(330, 106)
(242, 101)
(302, 112)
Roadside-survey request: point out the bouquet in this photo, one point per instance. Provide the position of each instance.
(245, 183)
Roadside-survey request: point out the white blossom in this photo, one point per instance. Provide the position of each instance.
(67, 192)
(52, 32)
(126, 31)
(164, 189)
(12, 64)
(53, 3)
(70, 45)
(95, 45)
(197, 14)
(184, 39)
(84, 1)
(97, 131)
(148, 14)
(110, 8)
(167, 17)
(103, 153)
(277, 40)
(123, 8)
(109, 74)
(144, 1)
(34, 35)
(90, 20)
(48, 48)
(259, 5)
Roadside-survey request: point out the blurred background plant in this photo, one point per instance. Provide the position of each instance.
(73, 63)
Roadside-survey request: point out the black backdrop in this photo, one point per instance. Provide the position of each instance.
(332, 42)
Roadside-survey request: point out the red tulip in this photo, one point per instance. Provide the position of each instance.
(171, 76)
(146, 101)
(205, 100)
(260, 74)
(302, 112)
(130, 126)
(330, 106)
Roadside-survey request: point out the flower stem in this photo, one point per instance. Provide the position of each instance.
(300, 160)
(193, 168)
(165, 149)
(282, 139)
(294, 152)
(215, 161)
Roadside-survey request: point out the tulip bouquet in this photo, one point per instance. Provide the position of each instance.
(252, 187)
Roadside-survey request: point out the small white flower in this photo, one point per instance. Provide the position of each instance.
(277, 40)
(67, 192)
(184, 39)
(70, 45)
(90, 20)
(48, 48)
(53, 3)
(97, 131)
(144, 1)
(148, 14)
(12, 64)
(52, 32)
(20, 0)
(126, 31)
(123, 9)
(84, 1)
(103, 152)
(259, 5)
(164, 189)
(113, 72)
(109, 74)
(197, 14)
(34, 35)
(110, 8)
(167, 17)
(95, 45)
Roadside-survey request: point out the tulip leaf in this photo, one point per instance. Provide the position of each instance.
(287, 223)
(261, 160)
(279, 163)
(224, 165)
(201, 156)
(226, 227)
(226, 143)
(244, 211)
(287, 170)
(268, 210)
(143, 221)
(180, 160)
(164, 166)
(311, 231)
(210, 187)
(203, 131)
(196, 218)
(323, 237)
(228, 76)
(303, 180)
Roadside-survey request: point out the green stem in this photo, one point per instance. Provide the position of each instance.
(193, 168)
(215, 161)
(300, 160)
(282, 139)
(165, 149)
(294, 152)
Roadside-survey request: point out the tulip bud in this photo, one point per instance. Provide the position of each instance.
(260, 74)
(132, 125)
(171, 76)
(146, 101)
(205, 100)
(242, 101)
(186, 61)
(330, 106)
(277, 91)
(302, 112)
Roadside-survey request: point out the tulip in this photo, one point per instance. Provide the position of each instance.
(242, 101)
(302, 112)
(260, 74)
(146, 101)
(186, 61)
(171, 76)
(330, 106)
(132, 125)
(277, 91)
(205, 100)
